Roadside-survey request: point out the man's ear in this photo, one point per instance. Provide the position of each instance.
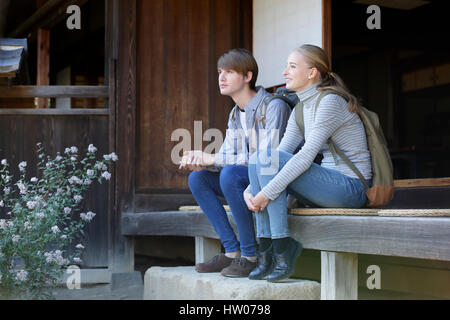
(248, 77)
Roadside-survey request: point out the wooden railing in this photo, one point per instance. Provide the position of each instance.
(54, 92)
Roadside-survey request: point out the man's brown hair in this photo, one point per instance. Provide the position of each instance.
(241, 61)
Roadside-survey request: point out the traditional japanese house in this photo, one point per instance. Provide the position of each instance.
(134, 71)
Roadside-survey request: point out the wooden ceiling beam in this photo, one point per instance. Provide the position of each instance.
(47, 16)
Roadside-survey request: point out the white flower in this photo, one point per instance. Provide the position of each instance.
(91, 148)
(114, 156)
(27, 225)
(2, 204)
(49, 164)
(90, 172)
(39, 215)
(66, 150)
(6, 190)
(6, 178)
(58, 158)
(31, 204)
(98, 166)
(67, 210)
(34, 179)
(15, 238)
(73, 158)
(22, 187)
(73, 149)
(77, 198)
(63, 237)
(2, 223)
(74, 179)
(107, 157)
(22, 275)
(22, 165)
(106, 175)
(87, 181)
(4, 162)
(87, 216)
(55, 229)
(79, 246)
(77, 260)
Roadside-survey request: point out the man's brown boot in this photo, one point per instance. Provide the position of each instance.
(215, 264)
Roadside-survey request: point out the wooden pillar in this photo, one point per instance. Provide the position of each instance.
(43, 64)
(43, 60)
(339, 276)
(121, 52)
(326, 28)
(206, 248)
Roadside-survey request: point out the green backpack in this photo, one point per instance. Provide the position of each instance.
(382, 190)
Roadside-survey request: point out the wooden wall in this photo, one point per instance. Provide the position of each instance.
(178, 44)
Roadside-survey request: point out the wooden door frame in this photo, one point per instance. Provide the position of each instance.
(326, 29)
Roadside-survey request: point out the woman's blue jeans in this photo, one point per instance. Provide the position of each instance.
(316, 187)
(230, 183)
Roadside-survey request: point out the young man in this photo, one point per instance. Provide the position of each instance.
(247, 128)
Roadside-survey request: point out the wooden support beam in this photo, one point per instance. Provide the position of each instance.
(206, 248)
(339, 276)
(33, 22)
(43, 64)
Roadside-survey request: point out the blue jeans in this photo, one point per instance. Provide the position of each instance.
(230, 183)
(316, 187)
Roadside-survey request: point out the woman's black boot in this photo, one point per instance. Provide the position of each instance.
(284, 262)
(264, 265)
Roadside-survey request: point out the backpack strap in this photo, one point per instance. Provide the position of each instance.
(334, 149)
(349, 163)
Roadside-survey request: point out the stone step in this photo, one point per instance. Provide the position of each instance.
(184, 283)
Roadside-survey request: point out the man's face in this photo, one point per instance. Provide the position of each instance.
(231, 82)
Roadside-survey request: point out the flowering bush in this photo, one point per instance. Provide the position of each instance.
(43, 219)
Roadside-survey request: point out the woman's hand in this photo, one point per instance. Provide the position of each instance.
(248, 200)
(260, 201)
(196, 160)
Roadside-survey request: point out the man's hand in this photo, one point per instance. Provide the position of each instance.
(196, 160)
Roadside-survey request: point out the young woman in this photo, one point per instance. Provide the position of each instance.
(331, 184)
(238, 72)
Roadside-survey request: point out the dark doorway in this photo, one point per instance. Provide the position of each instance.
(402, 72)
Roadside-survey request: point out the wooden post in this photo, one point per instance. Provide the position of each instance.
(43, 60)
(43, 64)
(206, 248)
(339, 276)
(121, 50)
(326, 28)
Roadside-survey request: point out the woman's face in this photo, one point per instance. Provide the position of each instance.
(231, 82)
(298, 74)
